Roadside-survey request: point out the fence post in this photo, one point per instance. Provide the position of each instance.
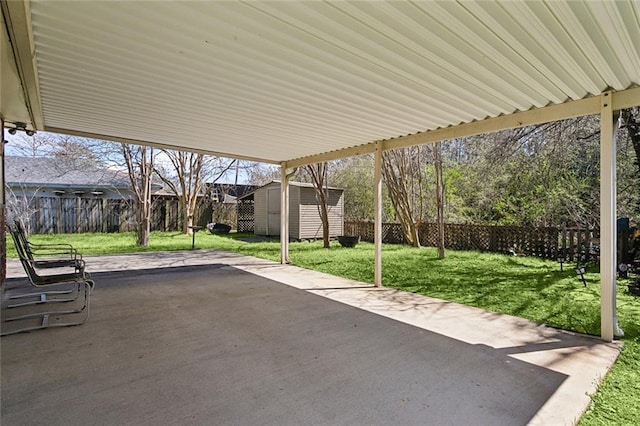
(103, 209)
(492, 239)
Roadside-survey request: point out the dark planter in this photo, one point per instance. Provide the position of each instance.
(218, 228)
(348, 240)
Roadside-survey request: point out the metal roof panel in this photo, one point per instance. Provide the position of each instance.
(287, 80)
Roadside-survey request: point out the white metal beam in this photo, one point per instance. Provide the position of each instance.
(490, 125)
(17, 17)
(334, 155)
(519, 119)
(608, 319)
(284, 215)
(622, 99)
(377, 177)
(154, 144)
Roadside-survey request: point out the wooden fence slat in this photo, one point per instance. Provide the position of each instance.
(91, 214)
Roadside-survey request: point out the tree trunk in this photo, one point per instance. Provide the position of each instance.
(189, 223)
(324, 216)
(144, 228)
(144, 221)
(139, 161)
(437, 161)
(187, 216)
(318, 174)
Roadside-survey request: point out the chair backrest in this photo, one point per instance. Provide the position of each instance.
(29, 264)
(20, 227)
(21, 248)
(22, 235)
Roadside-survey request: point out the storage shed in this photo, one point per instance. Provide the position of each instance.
(304, 213)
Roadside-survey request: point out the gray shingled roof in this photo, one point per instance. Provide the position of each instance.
(52, 171)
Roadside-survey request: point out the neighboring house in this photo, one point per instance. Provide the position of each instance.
(54, 195)
(52, 177)
(304, 213)
(228, 193)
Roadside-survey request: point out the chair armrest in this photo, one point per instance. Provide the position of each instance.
(51, 245)
(77, 264)
(31, 267)
(49, 250)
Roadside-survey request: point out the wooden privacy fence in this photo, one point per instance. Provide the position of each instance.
(542, 242)
(70, 215)
(82, 214)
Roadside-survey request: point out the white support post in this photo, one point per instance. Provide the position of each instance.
(378, 215)
(284, 215)
(608, 232)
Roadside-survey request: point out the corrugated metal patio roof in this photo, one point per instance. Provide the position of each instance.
(281, 81)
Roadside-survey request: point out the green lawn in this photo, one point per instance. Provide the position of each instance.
(526, 287)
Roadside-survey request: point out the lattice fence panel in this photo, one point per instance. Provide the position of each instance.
(392, 233)
(530, 241)
(245, 216)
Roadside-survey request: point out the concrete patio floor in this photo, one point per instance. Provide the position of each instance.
(207, 337)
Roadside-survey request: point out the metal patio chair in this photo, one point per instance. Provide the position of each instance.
(36, 309)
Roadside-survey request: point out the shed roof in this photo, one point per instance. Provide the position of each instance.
(299, 82)
(232, 189)
(249, 195)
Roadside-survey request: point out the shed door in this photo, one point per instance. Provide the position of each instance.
(273, 211)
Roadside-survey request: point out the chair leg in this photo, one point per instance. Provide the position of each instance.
(49, 296)
(48, 318)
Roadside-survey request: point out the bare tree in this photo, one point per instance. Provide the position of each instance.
(403, 177)
(139, 161)
(261, 174)
(19, 206)
(186, 179)
(318, 173)
(76, 154)
(72, 149)
(37, 145)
